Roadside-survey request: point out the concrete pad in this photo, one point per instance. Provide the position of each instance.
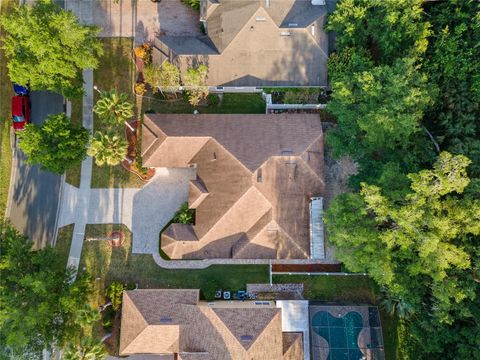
(295, 319)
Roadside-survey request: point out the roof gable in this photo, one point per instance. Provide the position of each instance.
(247, 324)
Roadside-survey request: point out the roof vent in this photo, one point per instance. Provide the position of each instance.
(267, 3)
(246, 338)
(292, 24)
(285, 33)
(259, 175)
(165, 320)
(260, 18)
(318, 2)
(287, 152)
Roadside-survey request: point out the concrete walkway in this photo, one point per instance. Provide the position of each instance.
(83, 9)
(295, 319)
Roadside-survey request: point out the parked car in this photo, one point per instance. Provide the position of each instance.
(21, 90)
(20, 112)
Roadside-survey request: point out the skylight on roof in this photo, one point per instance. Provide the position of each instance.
(246, 338)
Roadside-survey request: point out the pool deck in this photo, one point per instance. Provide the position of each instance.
(295, 319)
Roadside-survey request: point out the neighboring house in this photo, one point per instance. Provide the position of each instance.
(252, 43)
(257, 178)
(175, 324)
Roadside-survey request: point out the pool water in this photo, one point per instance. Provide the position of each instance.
(341, 333)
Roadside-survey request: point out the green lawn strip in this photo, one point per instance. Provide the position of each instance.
(107, 264)
(358, 289)
(391, 332)
(115, 71)
(64, 240)
(232, 104)
(6, 93)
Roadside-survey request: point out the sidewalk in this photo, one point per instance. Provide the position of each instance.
(81, 200)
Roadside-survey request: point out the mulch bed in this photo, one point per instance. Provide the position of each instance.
(311, 268)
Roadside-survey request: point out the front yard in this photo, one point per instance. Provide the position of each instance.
(6, 93)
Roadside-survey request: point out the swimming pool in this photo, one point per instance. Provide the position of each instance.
(341, 335)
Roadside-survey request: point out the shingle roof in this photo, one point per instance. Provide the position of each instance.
(255, 176)
(203, 331)
(251, 44)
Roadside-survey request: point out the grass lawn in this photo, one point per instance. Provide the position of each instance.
(6, 92)
(64, 240)
(72, 175)
(116, 71)
(234, 103)
(118, 264)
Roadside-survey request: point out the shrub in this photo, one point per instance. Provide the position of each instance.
(213, 99)
(194, 4)
(184, 215)
(114, 293)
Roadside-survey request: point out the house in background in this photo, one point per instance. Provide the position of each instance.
(257, 187)
(175, 325)
(253, 43)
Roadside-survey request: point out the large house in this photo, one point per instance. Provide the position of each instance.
(259, 179)
(251, 43)
(175, 325)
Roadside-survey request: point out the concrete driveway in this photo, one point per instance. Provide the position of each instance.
(35, 193)
(144, 211)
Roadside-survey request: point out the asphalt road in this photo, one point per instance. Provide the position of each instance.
(35, 193)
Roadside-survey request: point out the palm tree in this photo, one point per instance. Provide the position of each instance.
(114, 108)
(87, 349)
(394, 304)
(108, 148)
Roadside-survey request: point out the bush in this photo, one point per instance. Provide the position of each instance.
(194, 4)
(213, 100)
(184, 215)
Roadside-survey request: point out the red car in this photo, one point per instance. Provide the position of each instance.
(20, 112)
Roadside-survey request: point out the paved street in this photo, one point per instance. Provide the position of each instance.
(35, 193)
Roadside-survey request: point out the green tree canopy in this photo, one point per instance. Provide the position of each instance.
(47, 47)
(115, 108)
(387, 28)
(108, 148)
(57, 145)
(377, 108)
(452, 63)
(39, 302)
(421, 248)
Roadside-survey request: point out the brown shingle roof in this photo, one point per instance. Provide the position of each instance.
(256, 175)
(250, 44)
(202, 331)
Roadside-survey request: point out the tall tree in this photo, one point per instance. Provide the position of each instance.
(39, 302)
(108, 148)
(115, 108)
(421, 249)
(389, 29)
(452, 64)
(47, 47)
(56, 146)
